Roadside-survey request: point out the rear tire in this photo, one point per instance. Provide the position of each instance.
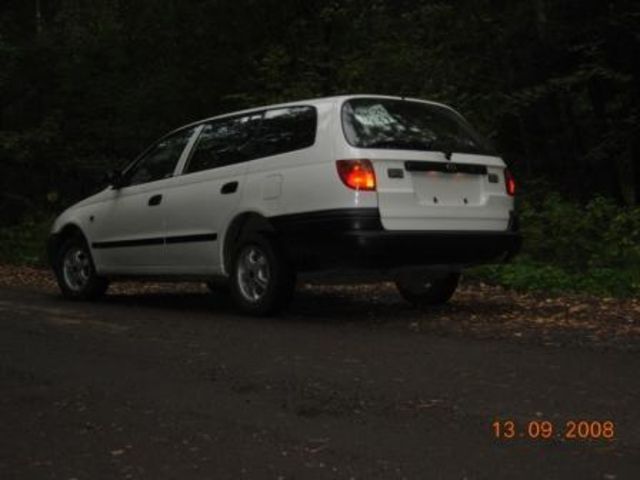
(76, 272)
(262, 281)
(428, 292)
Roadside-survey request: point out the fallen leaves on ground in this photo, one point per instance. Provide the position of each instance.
(486, 311)
(477, 310)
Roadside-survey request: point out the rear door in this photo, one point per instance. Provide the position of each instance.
(204, 197)
(433, 171)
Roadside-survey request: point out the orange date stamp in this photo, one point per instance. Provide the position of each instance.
(548, 430)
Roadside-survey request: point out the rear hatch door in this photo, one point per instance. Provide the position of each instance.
(432, 193)
(433, 170)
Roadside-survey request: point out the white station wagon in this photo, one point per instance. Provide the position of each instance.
(375, 186)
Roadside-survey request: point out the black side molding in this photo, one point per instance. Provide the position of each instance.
(138, 242)
(205, 237)
(144, 242)
(442, 167)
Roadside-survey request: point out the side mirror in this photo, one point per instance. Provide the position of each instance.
(115, 179)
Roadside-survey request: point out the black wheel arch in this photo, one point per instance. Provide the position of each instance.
(244, 224)
(57, 239)
(59, 242)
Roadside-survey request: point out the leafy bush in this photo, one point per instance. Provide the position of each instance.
(563, 233)
(553, 279)
(568, 247)
(25, 243)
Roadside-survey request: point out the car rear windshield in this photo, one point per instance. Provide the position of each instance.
(409, 125)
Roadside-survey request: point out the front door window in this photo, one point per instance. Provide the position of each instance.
(160, 161)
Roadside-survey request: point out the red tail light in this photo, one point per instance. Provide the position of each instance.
(509, 182)
(357, 174)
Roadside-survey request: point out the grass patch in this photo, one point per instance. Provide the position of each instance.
(608, 282)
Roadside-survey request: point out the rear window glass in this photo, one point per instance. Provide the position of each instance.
(224, 142)
(286, 129)
(408, 125)
(238, 139)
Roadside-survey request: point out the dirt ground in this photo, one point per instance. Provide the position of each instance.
(477, 310)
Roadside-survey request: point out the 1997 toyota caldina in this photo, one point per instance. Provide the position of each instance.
(377, 186)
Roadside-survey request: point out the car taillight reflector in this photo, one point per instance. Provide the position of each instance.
(509, 182)
(357, 174)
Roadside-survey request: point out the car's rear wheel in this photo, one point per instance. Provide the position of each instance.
(428, 291)
(75, 271)
(262, 281)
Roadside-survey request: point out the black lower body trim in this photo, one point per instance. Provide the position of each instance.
(327, 221)
(355, 238)
(143, 242)
(388, 250)
(404, 249)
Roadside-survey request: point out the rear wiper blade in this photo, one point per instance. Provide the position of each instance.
(443, 146)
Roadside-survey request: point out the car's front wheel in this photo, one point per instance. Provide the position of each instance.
(75, 271)
(428, 291)
(262, 281)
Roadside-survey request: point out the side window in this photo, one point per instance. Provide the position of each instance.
(224, 142)
(161, 160)
(287, 129)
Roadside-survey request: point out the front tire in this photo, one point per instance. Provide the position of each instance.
(75, 271)
(262, 280)
(423, 292)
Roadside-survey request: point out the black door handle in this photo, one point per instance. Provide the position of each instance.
(155, 200)
(230, 187)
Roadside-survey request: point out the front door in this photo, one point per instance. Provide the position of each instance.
(128, 230)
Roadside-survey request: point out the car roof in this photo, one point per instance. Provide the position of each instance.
(307, 102)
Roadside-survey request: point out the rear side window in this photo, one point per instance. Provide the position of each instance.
(224, 142)
(287, 129)
(239, 139)
(408, 125)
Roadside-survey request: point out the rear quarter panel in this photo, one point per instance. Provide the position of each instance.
(307, 180)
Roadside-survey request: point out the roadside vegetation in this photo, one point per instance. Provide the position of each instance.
(25, 243)
(568, 247)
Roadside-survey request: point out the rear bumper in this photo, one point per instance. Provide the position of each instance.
(356, 239)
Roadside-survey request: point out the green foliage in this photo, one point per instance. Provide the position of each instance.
(598, 235)
(551, 279)
(25, 244)
(86, 85)
(554, 84)
(568, 247)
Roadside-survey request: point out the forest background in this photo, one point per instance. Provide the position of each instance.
(555, 85)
